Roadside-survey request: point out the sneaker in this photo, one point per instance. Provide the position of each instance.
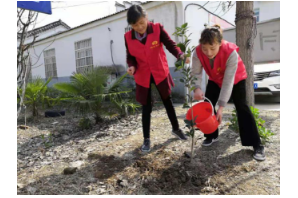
(179, 134)
(209, 141)
(259, 153)
(146, 146)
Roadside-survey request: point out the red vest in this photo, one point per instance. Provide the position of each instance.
(219, 66)
(151, 58)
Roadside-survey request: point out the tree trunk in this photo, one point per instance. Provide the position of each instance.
(22, 65)
(245, 39)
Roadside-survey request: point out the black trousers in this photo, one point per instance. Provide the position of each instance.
(147, 109)
(247, 125)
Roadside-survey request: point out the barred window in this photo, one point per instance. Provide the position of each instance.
(50, 63)
(83, 53)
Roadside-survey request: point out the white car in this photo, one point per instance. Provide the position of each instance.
(267, 79)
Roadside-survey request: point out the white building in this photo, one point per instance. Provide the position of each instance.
(266, 43)
(46, 31)
(101, 42)
(266, 10)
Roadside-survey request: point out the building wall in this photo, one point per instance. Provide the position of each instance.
(268, 9)
(266, 43)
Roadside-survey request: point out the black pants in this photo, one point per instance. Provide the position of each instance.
(247, 125)
(147, 109)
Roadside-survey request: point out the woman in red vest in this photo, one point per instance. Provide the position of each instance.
(227, 74)
(148, 64)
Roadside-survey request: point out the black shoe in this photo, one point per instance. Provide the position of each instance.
(179, 134)
(259, 153)
(146, 146)
(209, 141)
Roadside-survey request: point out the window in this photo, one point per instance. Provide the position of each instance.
(84, 58)
(50, 63)
(257, 14)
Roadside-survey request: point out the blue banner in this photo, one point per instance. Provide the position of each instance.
(38, 6)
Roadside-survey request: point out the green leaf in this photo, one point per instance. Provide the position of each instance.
(181, 46)
(195, 118)
(184, 25)
(187, 121)
(193, 88)
(177, 64)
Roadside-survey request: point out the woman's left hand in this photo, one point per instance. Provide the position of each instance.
(182, 57)
(219, 115)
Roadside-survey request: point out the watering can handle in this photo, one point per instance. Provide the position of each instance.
(210, 103)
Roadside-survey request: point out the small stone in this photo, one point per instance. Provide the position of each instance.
(87, 189)
(20, 185)
(92, 180)
(54, 123)
(101, 191)
(31, 190)
(70, 170)
(65, 137)
(77, 164)
(124, 183)
(186, 154)
(98, 174)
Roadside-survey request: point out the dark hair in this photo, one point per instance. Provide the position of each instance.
(134, 13)
(211, 35)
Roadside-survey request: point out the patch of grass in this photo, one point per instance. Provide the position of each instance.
(85, 123)
(264, 133)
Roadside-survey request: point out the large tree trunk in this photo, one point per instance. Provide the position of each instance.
(245, 34)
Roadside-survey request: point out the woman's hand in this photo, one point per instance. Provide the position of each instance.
(219, 114)
(198, 94)
(131, 70)
(182, 57)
